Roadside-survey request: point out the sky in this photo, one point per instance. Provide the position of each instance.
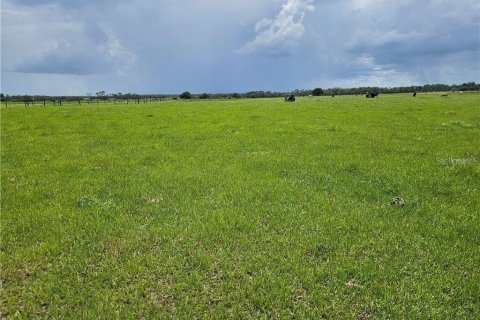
(76, 47)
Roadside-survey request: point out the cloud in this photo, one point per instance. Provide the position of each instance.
(394, 43)
(48, 38)
(81, 57)
(64, 46)
(281, 34)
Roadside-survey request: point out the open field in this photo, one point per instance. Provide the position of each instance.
(243, 209)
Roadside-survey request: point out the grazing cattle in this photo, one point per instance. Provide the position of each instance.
(290, 98)
(371, 95)
(414, 94)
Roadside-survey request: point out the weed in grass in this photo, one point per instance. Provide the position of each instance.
(457, 123)
(459, 162)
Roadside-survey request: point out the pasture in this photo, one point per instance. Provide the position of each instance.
(250, 208)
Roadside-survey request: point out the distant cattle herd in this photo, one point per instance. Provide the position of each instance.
(291, 97)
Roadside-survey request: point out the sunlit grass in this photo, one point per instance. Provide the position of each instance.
(243, 208)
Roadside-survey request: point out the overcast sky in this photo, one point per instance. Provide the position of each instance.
(63, 47)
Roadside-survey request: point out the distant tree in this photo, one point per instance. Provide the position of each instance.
(204, 96)
(101, 95)
(186, 95)
(335, 91)
(236, 95)
(317, 92)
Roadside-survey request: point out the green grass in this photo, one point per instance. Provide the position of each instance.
(243, 209)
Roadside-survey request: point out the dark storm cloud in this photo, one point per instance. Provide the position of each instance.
(449, 36)
(53, 63)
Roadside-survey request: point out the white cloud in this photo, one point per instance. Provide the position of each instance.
(281, 34)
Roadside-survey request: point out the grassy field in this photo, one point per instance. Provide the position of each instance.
(243, 209)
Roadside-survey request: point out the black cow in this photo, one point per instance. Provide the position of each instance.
(414, 94)
(290, 98)
(371, 95)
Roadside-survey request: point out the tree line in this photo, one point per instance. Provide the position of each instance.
(119, 97)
